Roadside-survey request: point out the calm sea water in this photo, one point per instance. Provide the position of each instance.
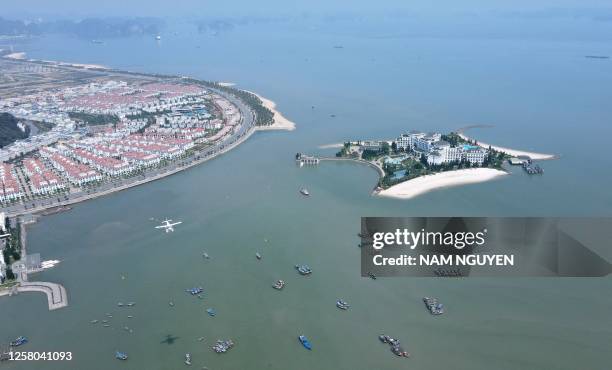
(540, 95)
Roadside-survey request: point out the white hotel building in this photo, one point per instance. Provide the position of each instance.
(439, 151)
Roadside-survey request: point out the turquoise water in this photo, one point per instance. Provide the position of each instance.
(540, 95)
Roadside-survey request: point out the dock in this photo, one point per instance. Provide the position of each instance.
(306, 160)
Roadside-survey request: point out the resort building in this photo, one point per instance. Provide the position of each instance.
(439, 151)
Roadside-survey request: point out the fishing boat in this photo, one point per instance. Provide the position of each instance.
(211, 311)
(303, 269)
(94, 321)
(258, 256)
(119, 304)
(187, 359)
(131, 304)
(223, 346)
(171, 304)
(205, 255)
(280, 284)
(305, 342)
(305, 192)
(19, 341)
(434, 307)
(342, 304)
(121, 356)
(395, 345)
(195, 291)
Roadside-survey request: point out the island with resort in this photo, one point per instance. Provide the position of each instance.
(417, 162)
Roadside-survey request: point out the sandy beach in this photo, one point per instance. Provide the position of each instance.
(81, 65)
(280, 122)
(226, 84)
(421, 185)
(331, 146)
(512, 152)
(16, 56)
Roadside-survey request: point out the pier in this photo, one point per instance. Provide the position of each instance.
(308, 160)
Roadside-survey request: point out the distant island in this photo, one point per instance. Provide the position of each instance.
(417, 162)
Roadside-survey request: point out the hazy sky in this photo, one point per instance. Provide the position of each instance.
(81, 8)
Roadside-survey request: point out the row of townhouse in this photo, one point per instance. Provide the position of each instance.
(42, 180)
(141, 159)
(107, 165)
(185, 133)
(77, 173)
(10, 187)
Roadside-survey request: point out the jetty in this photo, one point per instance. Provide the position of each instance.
(56, 293)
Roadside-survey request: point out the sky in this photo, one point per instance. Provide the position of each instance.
(225, 8)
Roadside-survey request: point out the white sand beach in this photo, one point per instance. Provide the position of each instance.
(331, 146)
(280, 122)
(16, 56)
(424, 184)
(512, 152)
(81, 65)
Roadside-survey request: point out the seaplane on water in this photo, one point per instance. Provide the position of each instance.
(168, 225)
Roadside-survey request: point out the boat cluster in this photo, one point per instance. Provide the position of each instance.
(223, 346)
(304, 269)
(280, 284)
(448, 272)
(129, 304)
(395, 345)
(195, 291)
(342, 304)
(19, 341)
(433, 306)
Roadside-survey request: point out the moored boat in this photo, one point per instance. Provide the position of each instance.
(305, 192)
(211, 311)
(258, 256)
(195, 291)
(305, 342)
(121, 356)
(187, 359)
(304, 269)
(342, 304)
(280, 284)
(434, 307)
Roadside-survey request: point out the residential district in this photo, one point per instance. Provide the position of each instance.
(101, 127)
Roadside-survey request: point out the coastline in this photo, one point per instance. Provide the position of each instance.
(513, 152)
(280, 121)
(424, 184)
(22, 56)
